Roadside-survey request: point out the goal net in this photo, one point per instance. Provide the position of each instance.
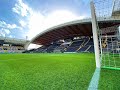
(108, 27)
(110, 51)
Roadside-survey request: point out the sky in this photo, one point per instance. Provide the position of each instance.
(23, 19)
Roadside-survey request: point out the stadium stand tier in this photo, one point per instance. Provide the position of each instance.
(11, 45)
(83, 44)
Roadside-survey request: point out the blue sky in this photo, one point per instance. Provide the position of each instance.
(21, 18)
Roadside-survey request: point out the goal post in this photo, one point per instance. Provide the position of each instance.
(95, 35)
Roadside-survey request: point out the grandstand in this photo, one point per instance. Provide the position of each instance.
(83, 44)
(76, 36)
(12, 45)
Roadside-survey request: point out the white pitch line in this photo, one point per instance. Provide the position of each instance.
(95, 80)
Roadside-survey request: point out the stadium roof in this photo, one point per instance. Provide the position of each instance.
(14, 41)
(72, 29)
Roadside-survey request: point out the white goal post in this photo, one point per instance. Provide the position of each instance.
(95, 35)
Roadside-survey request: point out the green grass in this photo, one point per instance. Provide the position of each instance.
(109, 79)
(110, 73)
(46, 71)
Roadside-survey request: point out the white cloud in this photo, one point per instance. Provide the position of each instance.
(11, 26)
(59, 17)
(11, 36)
(8, 26)
(21, 8)
(16, 9)
(6, 31)
(2, 34)
(2, 24)
(37, 22)
(22, 23)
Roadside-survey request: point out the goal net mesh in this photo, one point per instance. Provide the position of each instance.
(109, 35)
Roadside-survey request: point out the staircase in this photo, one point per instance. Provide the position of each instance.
(87, 48)
(80, 46)
(65, 49)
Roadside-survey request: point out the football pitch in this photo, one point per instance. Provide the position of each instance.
(52, 72)
(46, 71)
